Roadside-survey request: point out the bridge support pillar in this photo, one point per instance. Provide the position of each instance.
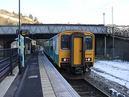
(105, 46)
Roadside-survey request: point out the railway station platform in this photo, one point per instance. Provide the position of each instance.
(41, 79)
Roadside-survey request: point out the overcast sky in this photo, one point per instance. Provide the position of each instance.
(72, 11)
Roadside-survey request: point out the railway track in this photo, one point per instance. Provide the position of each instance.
(82, 86)
(80, 83)
(85, 89)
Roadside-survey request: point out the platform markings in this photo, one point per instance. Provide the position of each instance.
(46, 85)
(33, 76)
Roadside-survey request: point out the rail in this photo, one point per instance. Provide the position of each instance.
(8, 60)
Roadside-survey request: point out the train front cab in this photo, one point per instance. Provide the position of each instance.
(76, 50)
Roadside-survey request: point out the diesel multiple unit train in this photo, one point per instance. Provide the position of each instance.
(73, 50)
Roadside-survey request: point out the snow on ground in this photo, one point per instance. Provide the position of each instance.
(116, 70)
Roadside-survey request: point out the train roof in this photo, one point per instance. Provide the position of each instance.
(74, 31)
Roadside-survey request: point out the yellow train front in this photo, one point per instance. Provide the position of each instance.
(73, 50)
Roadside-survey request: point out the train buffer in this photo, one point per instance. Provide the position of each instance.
(41, 79)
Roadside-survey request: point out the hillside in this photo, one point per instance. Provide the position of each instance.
(11, 18)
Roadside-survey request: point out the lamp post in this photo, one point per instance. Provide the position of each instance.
(21, 43)
(19, 6)
(19, 29)
(113, 40)
(105, 39)
(104, 18)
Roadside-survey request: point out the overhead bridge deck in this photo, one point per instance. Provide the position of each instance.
(53, 28)
(41, 79)
(46, 31)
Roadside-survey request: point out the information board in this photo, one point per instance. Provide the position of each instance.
(21, 49)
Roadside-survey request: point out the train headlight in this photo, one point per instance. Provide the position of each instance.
(88, 59)
(65, 59)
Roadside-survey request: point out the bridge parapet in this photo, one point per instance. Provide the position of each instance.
(5, 30)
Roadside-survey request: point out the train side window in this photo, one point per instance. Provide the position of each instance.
(88, 42)
(65, 42)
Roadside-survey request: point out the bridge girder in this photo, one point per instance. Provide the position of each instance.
(54, 28)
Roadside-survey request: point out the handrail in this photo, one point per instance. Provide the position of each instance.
(3, 60)
(7, 63)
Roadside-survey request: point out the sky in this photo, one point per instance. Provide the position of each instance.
(72, 11)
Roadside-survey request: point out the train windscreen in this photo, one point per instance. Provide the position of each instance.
(65, 42)
(88, 42)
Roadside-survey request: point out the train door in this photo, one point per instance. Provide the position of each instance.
(77, 50)
(77, 56)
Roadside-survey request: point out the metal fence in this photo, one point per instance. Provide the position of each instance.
(8, 60)
(100, 53)
(119, 53)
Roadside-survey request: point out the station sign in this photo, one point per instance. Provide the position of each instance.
(22, 50)
(23, 32)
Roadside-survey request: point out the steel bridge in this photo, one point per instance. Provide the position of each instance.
(54, 28)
